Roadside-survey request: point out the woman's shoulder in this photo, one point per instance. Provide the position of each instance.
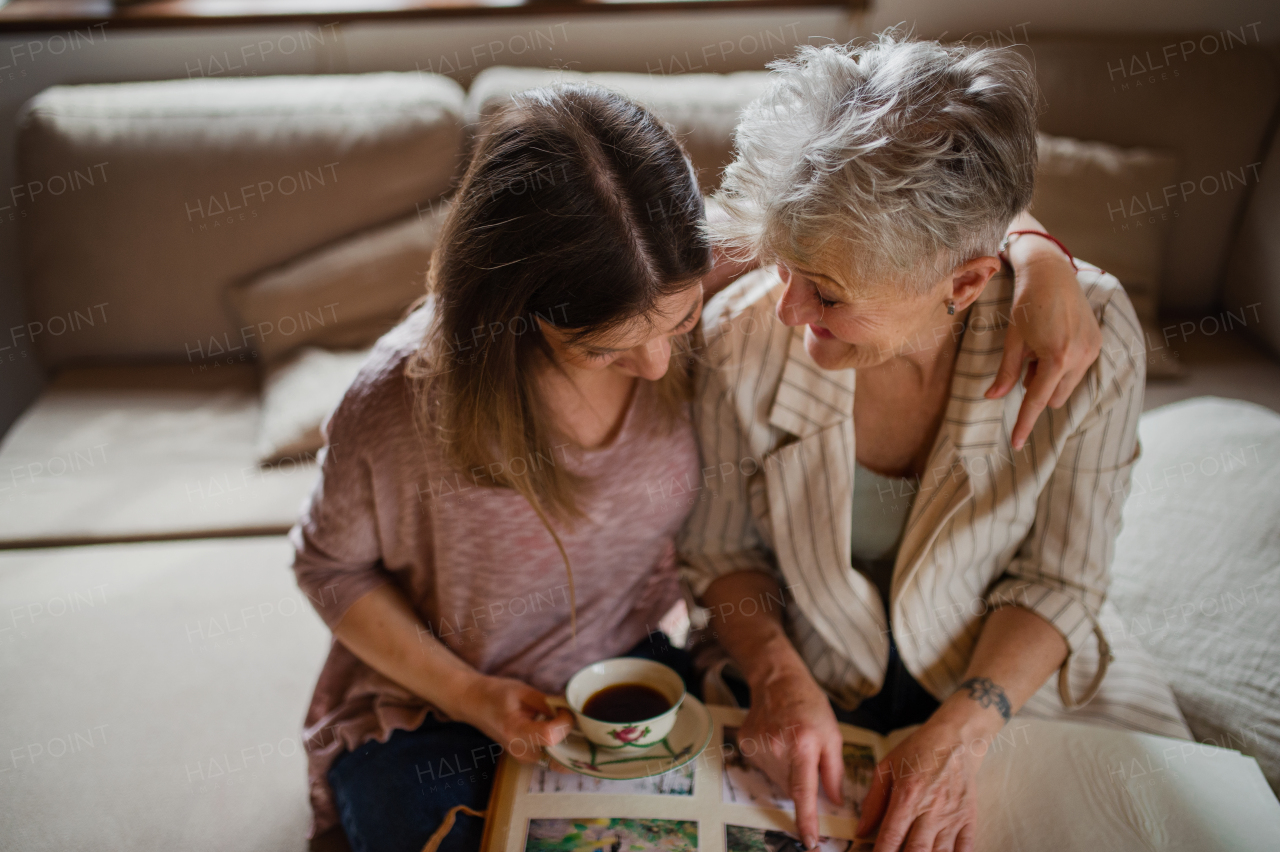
(742, 313)
(380, 400)
(746, 349)
(1101, 288)
(752, 294)
(1123, 358)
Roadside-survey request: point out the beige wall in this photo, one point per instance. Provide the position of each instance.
(656, 44)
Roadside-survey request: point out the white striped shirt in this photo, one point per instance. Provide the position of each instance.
(989, 527)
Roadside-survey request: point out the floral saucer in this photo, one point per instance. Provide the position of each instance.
(688, 738)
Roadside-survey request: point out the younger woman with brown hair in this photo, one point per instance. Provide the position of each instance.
(486, 525)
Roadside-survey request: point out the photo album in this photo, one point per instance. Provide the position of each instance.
(1043, 785)
(715, 801)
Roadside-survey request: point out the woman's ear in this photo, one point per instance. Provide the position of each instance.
(970, 278)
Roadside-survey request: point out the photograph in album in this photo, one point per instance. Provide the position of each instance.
(611, 835)
(743, 838)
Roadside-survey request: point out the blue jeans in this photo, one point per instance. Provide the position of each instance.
(392, 796)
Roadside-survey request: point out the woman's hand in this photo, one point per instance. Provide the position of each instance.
(387, 634)
(512, 714)
(1052, 324)
(790, 733)
(924, 795)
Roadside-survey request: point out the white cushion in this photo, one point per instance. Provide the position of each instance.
(154, 697)
(297, 395)
(108, 454)
(1197, 568)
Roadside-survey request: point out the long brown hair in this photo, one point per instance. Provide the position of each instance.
(580, 209)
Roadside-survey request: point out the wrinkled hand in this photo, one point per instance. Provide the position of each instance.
(790, 733)
(924, 795)
(512, 714)
(1054, 327)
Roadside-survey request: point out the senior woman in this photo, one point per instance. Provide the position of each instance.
(934, 573)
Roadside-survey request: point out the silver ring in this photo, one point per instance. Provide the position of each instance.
(544, 762)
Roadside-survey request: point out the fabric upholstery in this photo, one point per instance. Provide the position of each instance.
(155, 697)
(1209, 106)
(1253, 274)
(1076, 182)
(343, 295)
(175, 190)
(702, 109)
(179, 187)
(144, 452)
(297, 395)
(159, 751)
(1197, 568)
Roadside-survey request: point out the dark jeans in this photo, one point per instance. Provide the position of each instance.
(392, 796)
(902, 701)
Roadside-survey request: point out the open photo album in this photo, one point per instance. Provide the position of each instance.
(1043, 785)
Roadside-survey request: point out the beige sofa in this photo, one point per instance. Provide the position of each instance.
(219, 252)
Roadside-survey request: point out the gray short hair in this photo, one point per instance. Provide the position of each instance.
(917, 154)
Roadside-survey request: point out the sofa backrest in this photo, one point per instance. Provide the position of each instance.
(1252, 293)
(149, 200)
(1209, 99)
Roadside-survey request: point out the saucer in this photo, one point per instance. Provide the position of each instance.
(689, 736)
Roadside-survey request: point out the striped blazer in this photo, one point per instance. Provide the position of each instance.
(989, 526)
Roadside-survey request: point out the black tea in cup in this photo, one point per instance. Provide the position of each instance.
(626, 702)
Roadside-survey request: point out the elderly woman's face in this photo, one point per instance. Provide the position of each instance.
(856, 324)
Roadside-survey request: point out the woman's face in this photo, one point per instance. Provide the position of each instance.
(862, 324)
(640, 347)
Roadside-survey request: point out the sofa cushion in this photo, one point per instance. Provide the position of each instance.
(1197, 568)
(702, 109)
(1207, 98)
(343, 295)
(150, 199)
(111, 454)
(1252, 291)
(1077, 185)
(297, 395)
(155, 697)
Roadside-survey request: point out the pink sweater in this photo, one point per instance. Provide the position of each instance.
(474, 560)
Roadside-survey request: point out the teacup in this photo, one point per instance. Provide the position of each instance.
(641, 734)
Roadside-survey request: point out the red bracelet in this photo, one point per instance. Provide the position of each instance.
(1004, 244)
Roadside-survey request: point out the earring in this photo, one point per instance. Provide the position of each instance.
(951, 308)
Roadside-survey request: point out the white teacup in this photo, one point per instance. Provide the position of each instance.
(639, 735)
